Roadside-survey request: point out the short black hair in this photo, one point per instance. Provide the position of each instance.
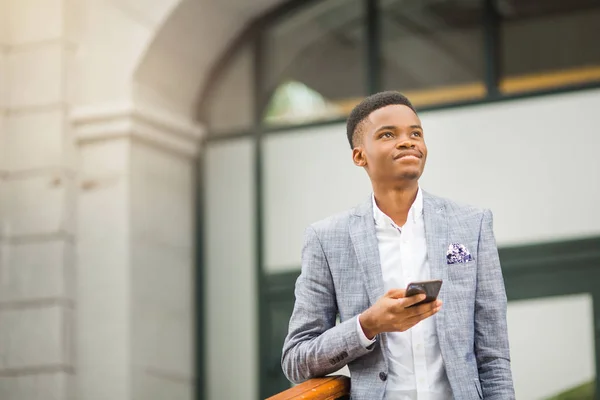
(370, 104)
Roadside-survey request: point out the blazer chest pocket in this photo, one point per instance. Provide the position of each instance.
(463, 276)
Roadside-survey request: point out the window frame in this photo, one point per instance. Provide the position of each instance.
(254, 32)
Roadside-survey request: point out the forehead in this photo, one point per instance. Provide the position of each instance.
(396, 115)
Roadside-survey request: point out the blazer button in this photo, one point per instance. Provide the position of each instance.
(383, 376)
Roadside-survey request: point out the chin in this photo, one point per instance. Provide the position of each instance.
(409, 174)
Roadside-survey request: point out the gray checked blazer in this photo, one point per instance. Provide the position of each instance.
(341, 274)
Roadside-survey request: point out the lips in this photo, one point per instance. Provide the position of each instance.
(417, 154)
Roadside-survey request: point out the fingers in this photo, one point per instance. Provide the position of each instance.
(425, 310)
(396, 317)
(418, 314)
(409, 301)
(395, 293)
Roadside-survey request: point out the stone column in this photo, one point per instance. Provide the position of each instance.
(135, 254)
(37, 182)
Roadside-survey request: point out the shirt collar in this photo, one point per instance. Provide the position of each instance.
(415, 211)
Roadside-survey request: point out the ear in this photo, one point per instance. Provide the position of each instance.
(358, 156)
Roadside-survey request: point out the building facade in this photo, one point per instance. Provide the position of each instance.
(159, 161)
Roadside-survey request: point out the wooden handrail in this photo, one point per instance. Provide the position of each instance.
(328, 388)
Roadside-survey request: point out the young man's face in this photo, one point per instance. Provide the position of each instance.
(392, 148)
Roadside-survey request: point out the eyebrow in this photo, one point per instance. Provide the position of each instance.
(386, 127)
(393, 127)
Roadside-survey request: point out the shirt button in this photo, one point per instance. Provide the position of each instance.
(383, 376)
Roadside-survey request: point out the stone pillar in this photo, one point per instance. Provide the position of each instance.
(97, 196)
(135, 254)
(37, 190)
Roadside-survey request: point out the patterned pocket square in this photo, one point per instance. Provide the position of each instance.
(457, 253)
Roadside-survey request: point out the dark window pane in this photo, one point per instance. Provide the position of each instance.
(432, 51)
(549, 43)
(315, 62)
(230, 104)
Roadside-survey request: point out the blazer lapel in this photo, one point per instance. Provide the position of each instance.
(364, 241)
(436, 235)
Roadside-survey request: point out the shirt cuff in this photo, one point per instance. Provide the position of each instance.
(364, 341)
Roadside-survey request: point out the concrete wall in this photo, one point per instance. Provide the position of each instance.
(96, 296)
(162, 243)
(37, 191)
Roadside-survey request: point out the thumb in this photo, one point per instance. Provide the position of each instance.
(395, 293)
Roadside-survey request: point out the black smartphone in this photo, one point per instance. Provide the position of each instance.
(429, 288)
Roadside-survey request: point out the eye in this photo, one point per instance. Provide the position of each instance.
(417, 134)
(386, 135)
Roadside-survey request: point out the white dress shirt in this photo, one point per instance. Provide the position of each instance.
(416, 369)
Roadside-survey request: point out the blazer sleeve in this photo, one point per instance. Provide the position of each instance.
(491, 335)
(315, 346)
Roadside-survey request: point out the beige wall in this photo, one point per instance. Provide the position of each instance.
(96, 290)
(37, 192)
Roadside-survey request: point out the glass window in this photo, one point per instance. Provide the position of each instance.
(548, 43)
(315, 63)
(230, 103)
(432, 51)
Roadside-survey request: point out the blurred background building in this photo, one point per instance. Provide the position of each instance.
(160, 159)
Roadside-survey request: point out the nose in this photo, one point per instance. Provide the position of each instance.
(405, 143)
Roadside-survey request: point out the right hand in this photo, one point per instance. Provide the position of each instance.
(389, 313)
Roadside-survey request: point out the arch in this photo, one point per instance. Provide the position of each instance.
(187, 43)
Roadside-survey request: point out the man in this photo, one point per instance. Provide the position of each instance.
(356, 264)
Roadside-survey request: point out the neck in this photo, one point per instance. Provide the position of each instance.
(395, 202)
